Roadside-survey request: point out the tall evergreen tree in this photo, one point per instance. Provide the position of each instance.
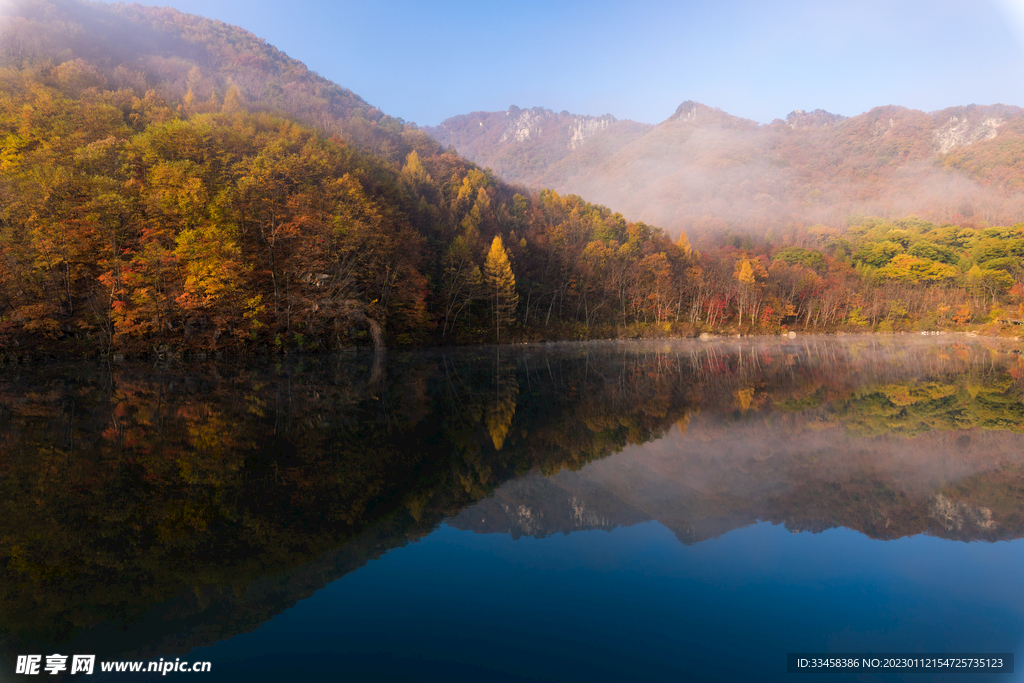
(501, 286)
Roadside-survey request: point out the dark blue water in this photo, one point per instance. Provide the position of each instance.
(635, 604)
(689, 513)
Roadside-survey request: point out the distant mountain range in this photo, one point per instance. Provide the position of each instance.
(703, 168)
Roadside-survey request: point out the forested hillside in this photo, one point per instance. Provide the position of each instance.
(173, 185)
(170, 181)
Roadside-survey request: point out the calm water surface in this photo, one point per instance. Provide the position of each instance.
(614, 511)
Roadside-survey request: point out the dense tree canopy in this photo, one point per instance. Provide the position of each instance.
(211, 202)
(130, 222)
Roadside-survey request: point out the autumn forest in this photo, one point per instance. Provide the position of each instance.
(192, 190)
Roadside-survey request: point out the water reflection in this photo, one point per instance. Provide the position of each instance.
(150, 510)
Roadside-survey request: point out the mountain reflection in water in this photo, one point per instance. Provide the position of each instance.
(152, 510)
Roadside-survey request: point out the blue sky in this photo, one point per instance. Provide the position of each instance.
(426, 61)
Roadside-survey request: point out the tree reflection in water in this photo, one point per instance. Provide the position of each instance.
(193, 503)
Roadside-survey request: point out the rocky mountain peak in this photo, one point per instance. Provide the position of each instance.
(695, 112)
(526, 124)
(961, 126)
(819, 118)
(691, 111)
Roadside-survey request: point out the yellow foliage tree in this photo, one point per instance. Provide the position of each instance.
(745, 272)
(684, 242)
(501, 286)
(414, 173)
(232, 101)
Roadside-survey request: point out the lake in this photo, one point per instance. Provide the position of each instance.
(644, 511)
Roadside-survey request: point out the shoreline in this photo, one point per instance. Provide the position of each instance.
(165, 354)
